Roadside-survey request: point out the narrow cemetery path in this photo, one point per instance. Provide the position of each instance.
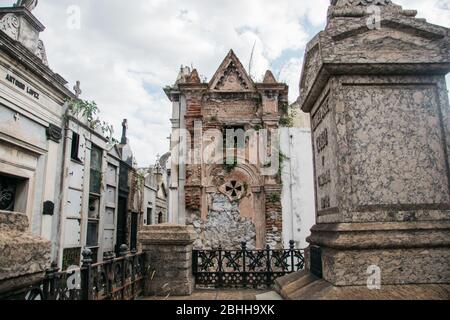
(223, 295)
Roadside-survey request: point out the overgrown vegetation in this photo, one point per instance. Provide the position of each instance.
(139, 180)
(230, 166)
(274, 198)
(281, 159)
(90, 111)
(257, 127)
(288, 114)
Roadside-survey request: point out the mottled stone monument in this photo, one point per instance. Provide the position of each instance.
(24, 258)
(374, 84)
(169, 258)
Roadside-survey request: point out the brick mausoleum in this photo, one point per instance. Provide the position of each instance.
(235, 201)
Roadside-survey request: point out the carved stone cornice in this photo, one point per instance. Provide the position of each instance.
(21, 11)
(361, 2)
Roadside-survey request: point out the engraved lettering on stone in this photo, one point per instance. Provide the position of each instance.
(322, 141)
(320, 114)
(324, 179)
(325, 202)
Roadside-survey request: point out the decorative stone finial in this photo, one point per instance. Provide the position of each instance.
(77, 89)
(40, 52)
(193, 77)
(269, 77)
(29, 4)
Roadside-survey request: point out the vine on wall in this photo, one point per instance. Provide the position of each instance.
(90, 111)
(288, 114)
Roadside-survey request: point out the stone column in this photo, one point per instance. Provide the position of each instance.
(169, 259)
(24, 258)
(376, 92)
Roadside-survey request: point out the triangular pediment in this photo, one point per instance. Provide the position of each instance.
(391, 44)
(114, 152)
(231, 76)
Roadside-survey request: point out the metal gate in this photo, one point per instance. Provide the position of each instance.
(245, 268)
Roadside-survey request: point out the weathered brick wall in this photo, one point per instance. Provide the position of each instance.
(232, 109)
(274, 220)
(193, 199)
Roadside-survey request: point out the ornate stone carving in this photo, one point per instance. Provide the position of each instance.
(361, 2)
(10, 24)
(7, 194)
(231, 75)
(54, 133)
(194, 77)
(40, 52)
(78, 92)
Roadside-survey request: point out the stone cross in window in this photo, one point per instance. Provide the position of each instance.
(234, 190)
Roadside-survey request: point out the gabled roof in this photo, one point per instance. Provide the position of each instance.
(231, 76)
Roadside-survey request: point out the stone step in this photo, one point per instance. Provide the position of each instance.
(305, 286)
(269, 296)
(288, 285)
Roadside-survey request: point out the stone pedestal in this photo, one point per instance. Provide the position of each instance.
(169, 259)
(374, 84)
(24, 258)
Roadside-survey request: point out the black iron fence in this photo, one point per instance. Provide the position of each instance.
(115, 279)
(245, 268)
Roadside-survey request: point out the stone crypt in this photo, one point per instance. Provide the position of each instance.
(375, 88)
(227, 203)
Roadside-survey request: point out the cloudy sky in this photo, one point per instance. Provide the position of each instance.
(125, 52)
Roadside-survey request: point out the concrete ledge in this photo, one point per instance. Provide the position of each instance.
(167, 234)
(299, 286)
(382, 235)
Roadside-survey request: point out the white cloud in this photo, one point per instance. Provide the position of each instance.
(290, 74)
(125, 53)
(123, 50)
(435, 11)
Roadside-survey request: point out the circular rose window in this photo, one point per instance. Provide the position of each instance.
(234, 190)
